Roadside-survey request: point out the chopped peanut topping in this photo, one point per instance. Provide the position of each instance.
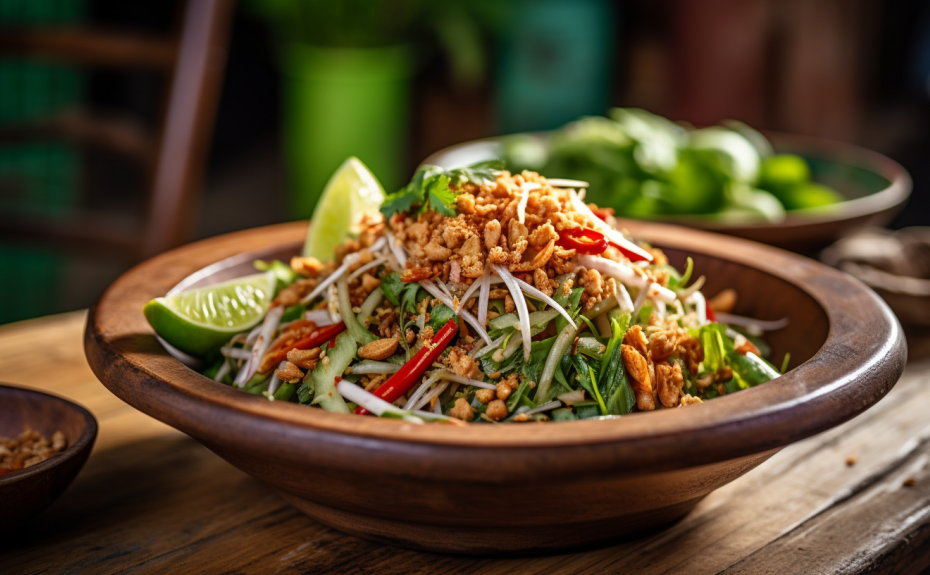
(379, 349)
(289, 373)
(462, 410)
(497, 410)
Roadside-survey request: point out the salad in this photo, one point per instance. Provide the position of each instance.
(646, 166)
(470, 295)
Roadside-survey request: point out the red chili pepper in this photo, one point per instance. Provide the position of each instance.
(630, 254)
(602, 213)
(332, 344)
(709, 312)
(583, 240)
(411, 372)
(313, 339)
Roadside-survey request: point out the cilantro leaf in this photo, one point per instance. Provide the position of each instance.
(392, 285)
(413, 194)
(400, 201)
(430, 188)
(441, 198)
(439, 315)
(478, 173)
(495, 165)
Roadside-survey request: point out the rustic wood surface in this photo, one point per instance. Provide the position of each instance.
(153, 500)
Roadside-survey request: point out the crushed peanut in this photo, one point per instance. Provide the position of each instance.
(29, 449)
(379, 349)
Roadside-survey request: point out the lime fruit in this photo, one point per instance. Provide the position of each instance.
(782, 171)
(809, 195)
(200, 321)
(352, 194)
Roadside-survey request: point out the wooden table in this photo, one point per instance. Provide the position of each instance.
(153, 500)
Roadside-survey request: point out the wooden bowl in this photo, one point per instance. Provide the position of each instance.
(522, 488)
(875, 188)
(26, 492)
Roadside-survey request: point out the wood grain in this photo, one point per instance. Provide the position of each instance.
(152, 500)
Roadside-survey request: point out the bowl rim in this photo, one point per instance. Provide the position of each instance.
(86, 440)
(853, 370)
(888, 198)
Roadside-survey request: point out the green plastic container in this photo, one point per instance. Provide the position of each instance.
(340, 103)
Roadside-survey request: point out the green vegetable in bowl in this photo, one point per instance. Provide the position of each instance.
(645, 166)
(788, 177)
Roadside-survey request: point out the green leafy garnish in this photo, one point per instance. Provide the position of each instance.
(748, 370)
(403, 296)
(539, 350)
(392, 286)
(614, 384)
(293, 312)
(439, 315)
(597, 392)
(430, 188)
(583, 376)
(716, 345)
(479, 173)
(441, 198)
(570, 304)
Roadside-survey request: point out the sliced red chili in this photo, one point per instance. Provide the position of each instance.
(709, 312)
(583, 240)
(629, 254)
(602, 213)
(410, 373)
(313, 339)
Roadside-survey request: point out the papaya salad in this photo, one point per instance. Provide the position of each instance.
(477, 295)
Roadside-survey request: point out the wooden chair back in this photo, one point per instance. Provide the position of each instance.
(173, 158)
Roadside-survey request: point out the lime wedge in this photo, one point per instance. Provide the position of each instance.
(351, 193)
(200, 321)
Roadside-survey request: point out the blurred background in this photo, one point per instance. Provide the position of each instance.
(127, 128)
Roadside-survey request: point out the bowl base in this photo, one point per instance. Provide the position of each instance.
(511, 541)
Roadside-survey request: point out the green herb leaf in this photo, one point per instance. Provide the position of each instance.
(408, 302)
(571, 305)
(414, 193)
(431, 188)
(563, 414)
(401, 201)
(441, 198)
(785, 362)
(716, 343)
(751, 369)
(686, 277)
(479, 173)
(614, 383)
(585, 376)
(392, 286)
(539, 351)
(293, 312)
(439, 315)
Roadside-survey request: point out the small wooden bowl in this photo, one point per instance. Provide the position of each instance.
(873, 185)
(521, 488)
(26, 492)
